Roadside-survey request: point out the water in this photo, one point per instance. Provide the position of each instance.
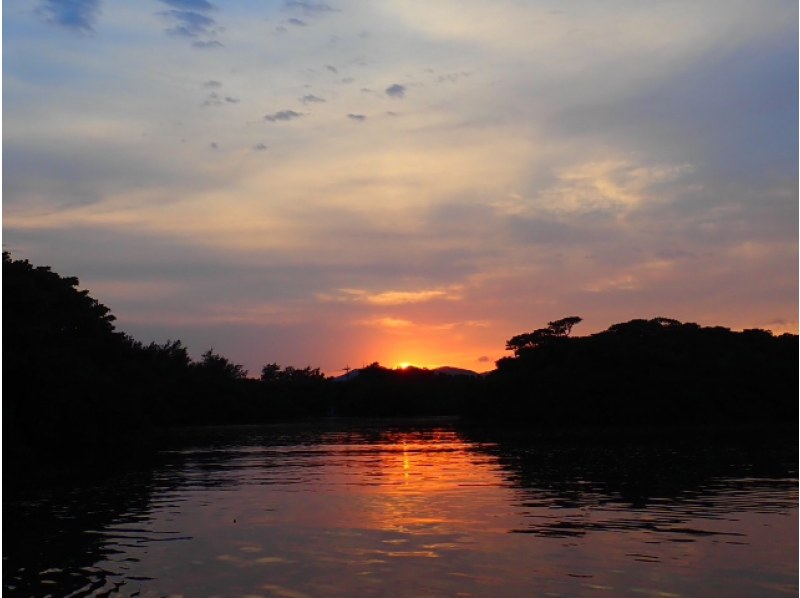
(416, 510)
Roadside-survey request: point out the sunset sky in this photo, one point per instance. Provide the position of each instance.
(331, 183)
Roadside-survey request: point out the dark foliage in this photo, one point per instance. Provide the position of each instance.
(648, 372)
(76, 389)
(62, 362)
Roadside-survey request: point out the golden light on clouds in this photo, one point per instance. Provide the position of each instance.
(388, 298)
(509, 164)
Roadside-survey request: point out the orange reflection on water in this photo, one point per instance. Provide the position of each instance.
(430, 483)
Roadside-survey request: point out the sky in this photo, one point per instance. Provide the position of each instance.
(337, 182)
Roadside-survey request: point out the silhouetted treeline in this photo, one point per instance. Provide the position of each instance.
(645, 372)
(77, 389)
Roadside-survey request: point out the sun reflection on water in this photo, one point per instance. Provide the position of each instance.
(410, 512)
(424, 479)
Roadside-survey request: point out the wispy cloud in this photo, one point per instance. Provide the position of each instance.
(283, 116)
(392, 324)
(190, 19)
(387, 298)
(76, 15)
(308, 7)
(188, 23)
(206, 44)
(190, 4)
(357, 117)
(212, 99)
(312, 99)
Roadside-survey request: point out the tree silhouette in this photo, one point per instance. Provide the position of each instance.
(216, 366)
(531, 340)
(564, 326)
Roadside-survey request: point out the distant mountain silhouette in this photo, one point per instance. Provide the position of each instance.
(451, 371)
(444, 370)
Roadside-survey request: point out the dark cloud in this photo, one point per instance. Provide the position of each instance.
(260, 147)
(331, 68)
(76, 15)
(283, 115)
(211, 84)
(231, 100)
(297, 22)
(312, 99)
(396, 91)
(281, 29)
(308, 7)
(190, 4)
(213, 145)
(484, 359)
(358, 117)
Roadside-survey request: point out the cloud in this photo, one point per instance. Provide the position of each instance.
(259, 147)
(396, 91)
(297, 22)
(609, 184)
(331, 68)
(357, 117)
(308, 7)
(212, 99)
(387, 298)
(211, 84)
(451, 77)
(213, 145)
(483, 359)
(188, 23)
(283, 115)
(391, 324)
(312, 99)
(187, 20)
(206, 44)
(76, 15)
(190, 4)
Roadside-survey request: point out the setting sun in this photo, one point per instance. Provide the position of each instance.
(403, 365)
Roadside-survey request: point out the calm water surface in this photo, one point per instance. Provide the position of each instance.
(416, 510)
